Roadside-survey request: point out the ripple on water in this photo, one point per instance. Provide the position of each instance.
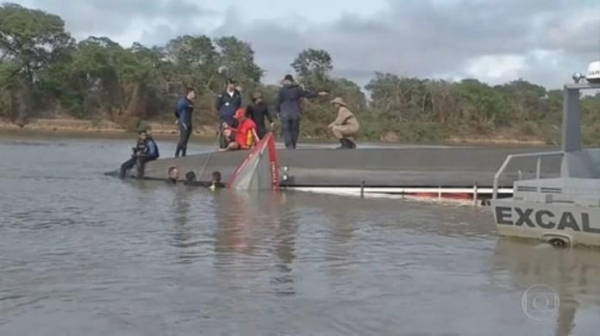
(84, 254)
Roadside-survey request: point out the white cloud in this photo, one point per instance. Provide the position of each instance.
(543, 41)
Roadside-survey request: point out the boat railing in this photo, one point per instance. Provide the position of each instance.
(509, 158)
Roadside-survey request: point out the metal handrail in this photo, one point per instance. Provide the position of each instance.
(538, 171)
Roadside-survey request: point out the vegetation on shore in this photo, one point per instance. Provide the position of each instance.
(45, 73)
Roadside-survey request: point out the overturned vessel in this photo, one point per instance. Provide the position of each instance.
(563, 209)
(439, 172)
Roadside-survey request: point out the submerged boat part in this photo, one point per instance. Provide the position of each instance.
(259, 170)
(562, 210)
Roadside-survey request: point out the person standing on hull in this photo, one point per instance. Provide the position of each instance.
(257, 112)
(345, 125)
(287, 107)
(226, 104)
(183, 113)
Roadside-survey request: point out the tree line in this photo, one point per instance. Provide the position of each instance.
(44, 72)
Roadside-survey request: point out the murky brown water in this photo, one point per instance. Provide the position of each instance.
(85, 254)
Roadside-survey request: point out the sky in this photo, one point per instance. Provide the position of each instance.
(495, 41)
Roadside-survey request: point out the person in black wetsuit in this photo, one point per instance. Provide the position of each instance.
(145, 151)
(183, 113)
(258, 111)
(215, 183)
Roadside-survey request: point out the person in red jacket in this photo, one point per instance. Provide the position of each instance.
(244, 136)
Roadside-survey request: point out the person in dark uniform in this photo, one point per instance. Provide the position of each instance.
(226, 104)
(287, 107)
(258, 111)
(183, 113)
(145, 151)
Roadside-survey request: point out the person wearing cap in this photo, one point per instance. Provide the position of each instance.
(287, 106)
(226, 104)
(244, 135)
(258, 111)
(345, 125)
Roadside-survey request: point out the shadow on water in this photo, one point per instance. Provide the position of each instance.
(555, 283)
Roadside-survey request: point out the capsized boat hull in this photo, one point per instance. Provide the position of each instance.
(372, 167)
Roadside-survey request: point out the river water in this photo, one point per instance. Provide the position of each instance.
(86, 254)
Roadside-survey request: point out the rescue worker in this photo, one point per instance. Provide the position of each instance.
(245, 136)
(215, 182)
(226, 104)
(183, 113)
(173, 175)
(345, 125)
(258, 111)
(287, 106)
(145, 151)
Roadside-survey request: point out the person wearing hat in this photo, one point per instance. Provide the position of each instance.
(345, 125)
(226, 104)
(258, 111)
(287, 106)
(244, 135)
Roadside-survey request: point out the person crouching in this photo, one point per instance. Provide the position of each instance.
(345, 125)
(244, 136)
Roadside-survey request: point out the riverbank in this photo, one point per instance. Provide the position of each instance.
(108, 129)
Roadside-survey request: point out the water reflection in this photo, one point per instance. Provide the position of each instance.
(251, 229)
(181, 222)
(569, 273)
(281, 213)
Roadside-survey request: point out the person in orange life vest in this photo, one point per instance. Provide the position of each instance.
(244, 135)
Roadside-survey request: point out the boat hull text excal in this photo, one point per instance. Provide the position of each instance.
(563, 209)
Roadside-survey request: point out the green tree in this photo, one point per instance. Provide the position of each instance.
(30, 40)
(43, 70)
(313, 67)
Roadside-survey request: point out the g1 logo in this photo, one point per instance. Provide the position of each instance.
(540, 302)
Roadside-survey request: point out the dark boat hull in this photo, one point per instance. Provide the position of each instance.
(374, 167)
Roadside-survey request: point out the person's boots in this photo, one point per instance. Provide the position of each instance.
(343, 144)
(350, 144)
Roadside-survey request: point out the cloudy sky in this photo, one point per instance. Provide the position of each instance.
(543, 41)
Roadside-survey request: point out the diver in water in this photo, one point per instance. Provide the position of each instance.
(215, 183)
(173, 175)
(146, 150)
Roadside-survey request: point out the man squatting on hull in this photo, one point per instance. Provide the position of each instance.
(345, 125)
(226, 104)
(145, 151)
(183, 113)
(258, 111)
(287, 106)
